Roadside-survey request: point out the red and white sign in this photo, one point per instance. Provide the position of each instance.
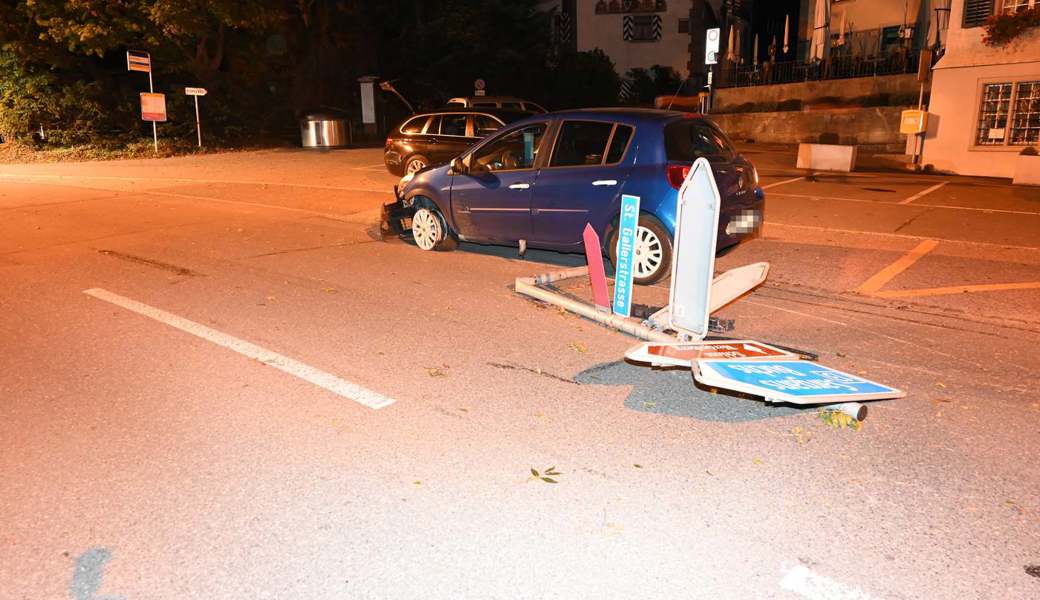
(684, 354)
(153, 107)
(138, 61)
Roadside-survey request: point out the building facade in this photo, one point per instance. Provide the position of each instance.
(637, 33)
(985, 101)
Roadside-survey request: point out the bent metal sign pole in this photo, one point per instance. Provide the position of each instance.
(626, 246)
(137, 60)
(195, 93)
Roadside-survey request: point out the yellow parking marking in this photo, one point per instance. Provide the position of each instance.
(959, 289)
(924, 193)
(878, 281)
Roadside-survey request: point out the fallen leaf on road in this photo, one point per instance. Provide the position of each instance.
(839, 420)
(578, 347)
(329, 290)
(436, 371)
(940, 385)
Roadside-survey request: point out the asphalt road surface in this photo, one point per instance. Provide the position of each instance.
(217, 381)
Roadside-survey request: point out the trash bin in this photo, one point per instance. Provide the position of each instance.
(323, 130)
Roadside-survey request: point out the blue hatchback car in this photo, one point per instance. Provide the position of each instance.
(538, 182)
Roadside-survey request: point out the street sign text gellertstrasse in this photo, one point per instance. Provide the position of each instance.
(195, 91)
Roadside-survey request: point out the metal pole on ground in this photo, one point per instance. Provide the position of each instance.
(155, 129)
(198, 123)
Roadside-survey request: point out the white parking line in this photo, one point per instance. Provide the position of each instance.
(779, 183)
(924, 193)
(328, 381)
(802, 581)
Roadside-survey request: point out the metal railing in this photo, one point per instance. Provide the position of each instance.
(837, 67)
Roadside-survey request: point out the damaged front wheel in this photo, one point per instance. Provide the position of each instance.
(430, 232)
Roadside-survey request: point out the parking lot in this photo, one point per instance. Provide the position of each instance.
(260, 397)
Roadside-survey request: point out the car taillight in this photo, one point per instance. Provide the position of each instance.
(677, 175)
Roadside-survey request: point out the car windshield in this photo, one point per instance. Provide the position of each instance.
(689, 139)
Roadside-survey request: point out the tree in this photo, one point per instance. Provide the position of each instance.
(583, 79)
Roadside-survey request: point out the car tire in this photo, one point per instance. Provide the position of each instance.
(430, 231)
(415, 163)
(653, 259)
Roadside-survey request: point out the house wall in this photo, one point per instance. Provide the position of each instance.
(604, 31)
(726, 99)
(956, 98)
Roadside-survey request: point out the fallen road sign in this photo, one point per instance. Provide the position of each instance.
(684, 354)
(693, 260)
(796, 382)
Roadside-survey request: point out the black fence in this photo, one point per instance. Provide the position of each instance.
(837, 67)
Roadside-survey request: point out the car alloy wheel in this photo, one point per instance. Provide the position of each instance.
(415, 165)
(649, 253)
(427, 229)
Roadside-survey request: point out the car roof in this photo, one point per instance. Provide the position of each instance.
(489, 110)
(626, 114)
(489, 99)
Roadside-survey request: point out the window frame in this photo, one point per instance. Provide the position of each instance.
(558, 134)
(425, 124)
(1009, 129)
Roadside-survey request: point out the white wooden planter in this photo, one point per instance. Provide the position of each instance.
(827, 157)
(1027, 170)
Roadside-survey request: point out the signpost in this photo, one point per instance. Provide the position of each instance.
(478, 87)
(195, 93)
(597, 275)
(696, 228)
(138, 60)
(711, 50)
(623, 274)
(796, 382)
(153, 107)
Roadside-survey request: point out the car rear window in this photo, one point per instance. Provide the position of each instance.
(485, 104)
(622, 134)
(690, 139)
(414, 125)
(581, 143)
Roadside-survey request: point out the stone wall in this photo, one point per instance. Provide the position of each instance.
(882, 90)
(877, 126)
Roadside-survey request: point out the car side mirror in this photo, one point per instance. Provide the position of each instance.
(458, 166)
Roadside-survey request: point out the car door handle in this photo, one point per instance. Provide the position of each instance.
(600, 182)
(520, 186)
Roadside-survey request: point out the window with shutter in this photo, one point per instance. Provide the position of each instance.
(976, 12)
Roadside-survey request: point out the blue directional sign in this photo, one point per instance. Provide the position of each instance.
(798, 382)
(626, 248)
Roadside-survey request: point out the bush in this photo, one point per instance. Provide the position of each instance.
(1029, 151)
(1002, 28)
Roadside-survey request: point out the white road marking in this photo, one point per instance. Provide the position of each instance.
(779, 183)
(802, 581)
(924, 193)
(323, 379)
(201, 181)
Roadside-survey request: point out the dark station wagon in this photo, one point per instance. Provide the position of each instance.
(436, 137)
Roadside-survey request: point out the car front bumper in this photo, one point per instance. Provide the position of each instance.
(396, 217)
